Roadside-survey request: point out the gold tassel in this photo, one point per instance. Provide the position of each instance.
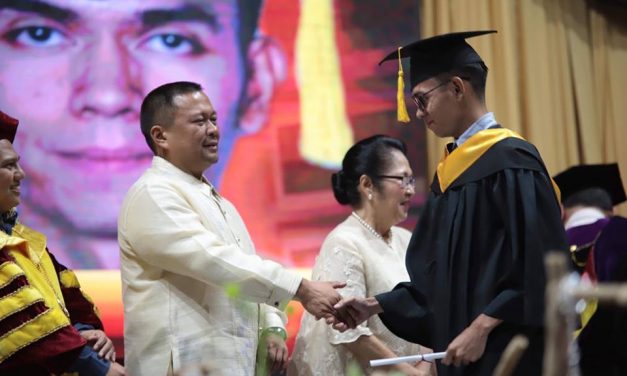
(325, 130)
(401, 109)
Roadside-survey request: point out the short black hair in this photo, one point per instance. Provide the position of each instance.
(368, 157)
(476, 74)
(590, 197)
(158, 106)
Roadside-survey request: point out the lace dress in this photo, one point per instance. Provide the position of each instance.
(369, 266)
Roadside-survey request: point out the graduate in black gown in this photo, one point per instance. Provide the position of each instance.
(476, 258)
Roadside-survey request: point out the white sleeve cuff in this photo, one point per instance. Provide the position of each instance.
(285, 288)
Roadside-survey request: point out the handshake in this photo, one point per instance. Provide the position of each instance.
(323, 301)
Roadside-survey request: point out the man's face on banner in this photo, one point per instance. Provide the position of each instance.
(75, 72)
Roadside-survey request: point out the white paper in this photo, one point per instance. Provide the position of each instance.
(407, 359)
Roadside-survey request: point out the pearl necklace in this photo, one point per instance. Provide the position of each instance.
(372, 230)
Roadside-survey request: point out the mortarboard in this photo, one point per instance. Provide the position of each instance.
(604, 176)
(432, 56)
(8, 127)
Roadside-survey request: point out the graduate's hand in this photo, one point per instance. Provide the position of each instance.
(469, 345)
(277, 353)
(99, 341)
(353, 311)
(465, 348)
(318, 298)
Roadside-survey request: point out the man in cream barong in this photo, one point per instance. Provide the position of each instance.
(183, 246)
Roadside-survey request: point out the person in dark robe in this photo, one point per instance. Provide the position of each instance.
(47, 324)
(598, 246)
(589, 194)
(476, 257)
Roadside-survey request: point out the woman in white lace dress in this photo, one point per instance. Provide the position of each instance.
(367, 251)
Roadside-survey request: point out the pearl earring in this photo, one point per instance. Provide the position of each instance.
(369, 196)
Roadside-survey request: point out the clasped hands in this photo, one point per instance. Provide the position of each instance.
(350, 312)
(322, 300)
(466, 348)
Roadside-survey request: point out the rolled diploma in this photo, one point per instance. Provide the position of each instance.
(407, 359)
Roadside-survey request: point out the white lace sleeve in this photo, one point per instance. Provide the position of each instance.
(338, 262)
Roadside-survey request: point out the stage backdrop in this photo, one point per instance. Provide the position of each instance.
(295, 83)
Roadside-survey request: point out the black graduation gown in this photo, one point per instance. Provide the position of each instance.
(479, 247)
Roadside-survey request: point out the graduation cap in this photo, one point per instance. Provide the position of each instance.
(8, 127)
(431, 57)
(604, 176)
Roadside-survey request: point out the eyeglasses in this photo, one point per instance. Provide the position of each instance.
(406, 181)
(421, 100)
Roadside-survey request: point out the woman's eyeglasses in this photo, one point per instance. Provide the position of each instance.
(406, 181)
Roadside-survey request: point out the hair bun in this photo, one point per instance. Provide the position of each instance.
(338, 182)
